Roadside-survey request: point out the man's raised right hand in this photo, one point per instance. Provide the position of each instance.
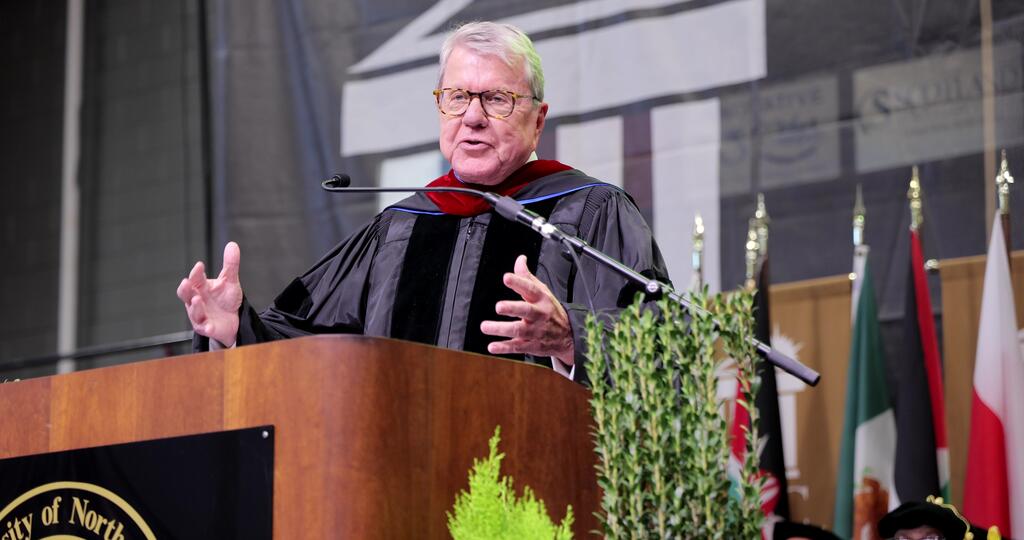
(212, 304)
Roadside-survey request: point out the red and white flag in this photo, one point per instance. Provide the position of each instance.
(994, 486)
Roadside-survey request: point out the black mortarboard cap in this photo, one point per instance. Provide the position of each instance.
(911, 515)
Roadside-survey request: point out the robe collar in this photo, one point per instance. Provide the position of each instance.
(464, 205)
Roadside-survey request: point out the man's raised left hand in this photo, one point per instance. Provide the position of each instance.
(542, 328)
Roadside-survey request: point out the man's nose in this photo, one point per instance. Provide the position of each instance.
(475, 115)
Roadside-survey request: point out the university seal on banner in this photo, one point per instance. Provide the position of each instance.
(71, 510)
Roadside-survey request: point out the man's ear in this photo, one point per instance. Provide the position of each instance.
(542, 113)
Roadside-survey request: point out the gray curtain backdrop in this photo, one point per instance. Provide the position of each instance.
(31, 116)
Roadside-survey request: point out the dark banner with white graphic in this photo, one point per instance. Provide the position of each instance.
(216, 485)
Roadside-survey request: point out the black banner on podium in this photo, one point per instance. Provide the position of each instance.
(215, 485)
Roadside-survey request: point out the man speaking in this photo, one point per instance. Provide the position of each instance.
(442, 268)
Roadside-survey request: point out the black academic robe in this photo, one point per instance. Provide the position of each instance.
(415, 273)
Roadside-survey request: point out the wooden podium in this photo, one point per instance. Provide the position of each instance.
(374, 437)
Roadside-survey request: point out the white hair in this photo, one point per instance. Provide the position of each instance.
(505, 41)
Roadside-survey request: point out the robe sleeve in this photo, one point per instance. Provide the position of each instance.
(330, 298)
(612, 224)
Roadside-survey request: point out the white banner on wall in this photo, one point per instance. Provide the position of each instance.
(798, 124)
(928, 109)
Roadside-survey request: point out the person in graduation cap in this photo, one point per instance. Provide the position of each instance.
(933, 519)
(442, 268)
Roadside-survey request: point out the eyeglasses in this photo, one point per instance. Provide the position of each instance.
(496, 103)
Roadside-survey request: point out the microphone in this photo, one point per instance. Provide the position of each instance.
(340, 180)
(513, 210)
(339, 183)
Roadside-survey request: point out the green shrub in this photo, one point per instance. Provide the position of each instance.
(490, 509)
(662, 443)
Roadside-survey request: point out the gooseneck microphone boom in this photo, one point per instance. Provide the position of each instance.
(513, 210)
(340, 183)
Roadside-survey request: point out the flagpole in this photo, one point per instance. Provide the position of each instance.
(697, 257)
(916, 207)
(761, 221)
(917, 216)
(757, 241)
(751, 256)
(859, 217)
(1003, 182)
(860, 252)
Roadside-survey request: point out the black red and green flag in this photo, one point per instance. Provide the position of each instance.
(922, 455)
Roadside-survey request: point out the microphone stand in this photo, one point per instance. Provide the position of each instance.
(513, 210)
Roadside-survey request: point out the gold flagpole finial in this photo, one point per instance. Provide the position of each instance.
(761, 221)
(859, 216)
(914, 196)
(753, 249)
(697, 258)
(1003, 181)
